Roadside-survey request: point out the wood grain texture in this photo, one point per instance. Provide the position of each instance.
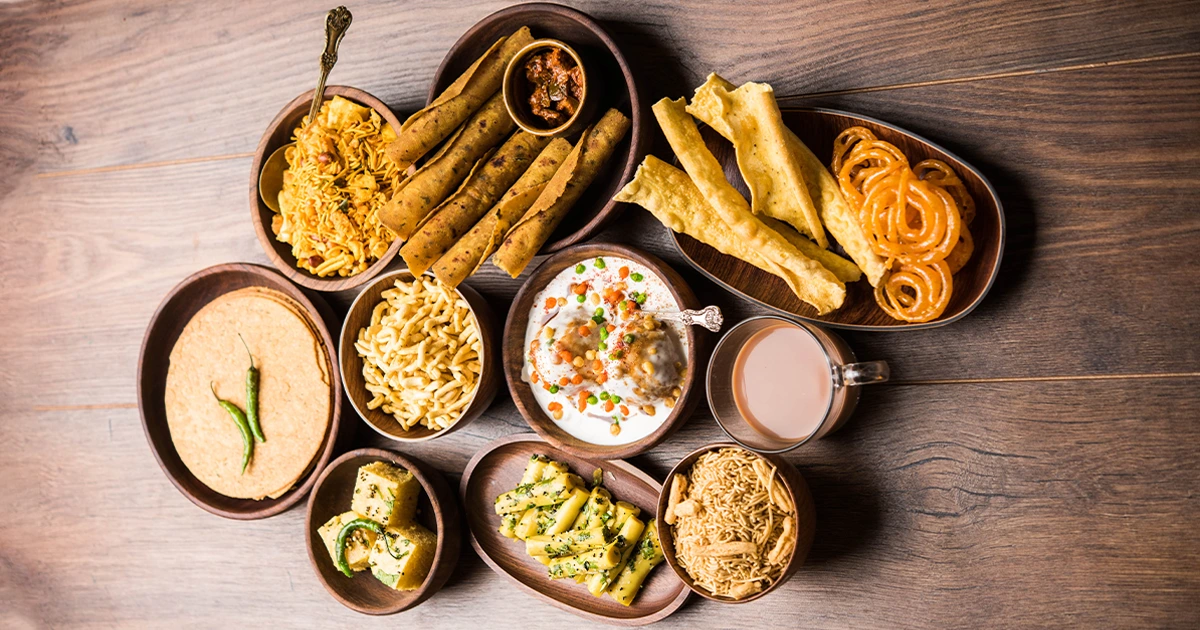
(497, 467)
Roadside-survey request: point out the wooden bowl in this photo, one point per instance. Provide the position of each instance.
(279, 133)
(514, 352)
(609, 77)
(497, 468)
(385, 424)
(817, 128)
(177, 308)
(437, 511)
(805, 519)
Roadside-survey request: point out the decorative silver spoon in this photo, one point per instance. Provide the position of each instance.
(709, 317)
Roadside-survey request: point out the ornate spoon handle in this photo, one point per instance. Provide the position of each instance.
(336, 24)
(709, 317)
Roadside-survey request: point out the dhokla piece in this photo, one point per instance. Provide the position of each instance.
(358, 543)
(406, 564)
(386, 494)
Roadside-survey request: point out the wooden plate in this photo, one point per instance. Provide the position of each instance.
(608, 73)
(437, 511)
(497, 468)
(184, 301)
(352, 377)
(514, 352)
(805, 520)
(279, 133)
(817, 128)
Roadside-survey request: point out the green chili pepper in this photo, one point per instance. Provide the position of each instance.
(344, 533)
(243, 425)
(252, 396)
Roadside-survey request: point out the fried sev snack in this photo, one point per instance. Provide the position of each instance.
(572, 178)
(421, 354)
(811, 282)
(486, 182)
(671, 196)
(834, 212)
(336, 181)
(429, 126)
(749, 118)
(469, 253)
(434, 181)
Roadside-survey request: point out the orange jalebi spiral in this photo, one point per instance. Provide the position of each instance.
(914, 217)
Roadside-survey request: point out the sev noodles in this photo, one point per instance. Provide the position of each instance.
(336, 181)
(734, 523)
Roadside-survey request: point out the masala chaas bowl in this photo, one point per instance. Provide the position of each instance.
(279, 133)
(592, 371)
(354, 381)
(564, 82)
(796, 489)
(436, 510)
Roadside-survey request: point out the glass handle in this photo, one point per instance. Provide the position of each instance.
(863, 373)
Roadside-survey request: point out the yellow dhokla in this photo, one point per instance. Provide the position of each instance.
(406, 564)
(386, 494)
(358, 543)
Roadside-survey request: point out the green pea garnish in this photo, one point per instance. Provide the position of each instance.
(628, 338)
(580, 298)
(603, 395)
(600, 263)
(602, 346)
(603, 334)
(580, 268)
(554, 389)
(637, 277)
(592, 400)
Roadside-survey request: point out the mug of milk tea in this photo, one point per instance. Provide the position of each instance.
(775, 383)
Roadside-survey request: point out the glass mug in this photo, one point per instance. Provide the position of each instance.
(845, 374)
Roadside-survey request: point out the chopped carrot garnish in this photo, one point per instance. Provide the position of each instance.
(624, 272)
(546, 386)
(565, 355)
(601, 378)
(583, 331)
(608, 406)
(580, 288)
(534, 377)
(554, 406)
(577, 379)
(551, 302)
(564, 381)
(624, 410)
(597, 365)
(610, 328)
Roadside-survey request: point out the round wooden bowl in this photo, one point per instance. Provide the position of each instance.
(437, 511)
(610, 79)
(177, 308)
(514, 353)
(279, 133)
(801, 498)
(385, 424)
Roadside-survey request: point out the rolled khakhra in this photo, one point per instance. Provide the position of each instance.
(426, 128)
(564, 189)
(469, 253)
(478, 192)
(434, 181)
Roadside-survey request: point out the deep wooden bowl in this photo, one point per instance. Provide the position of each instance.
(437, 511)
(805, 519)
(817, 128)
(359, 317)
(497, 468)
(609, 79)
(279, 133)
(514, 352)
(177, 308)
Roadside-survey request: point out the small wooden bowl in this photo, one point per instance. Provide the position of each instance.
(279, 133)
(514, 353)
(168, 322)
(385, 424)
(496, 468)
(817, 128)
(516, 92)
(805, 519)
(608, 71)
(438, 511)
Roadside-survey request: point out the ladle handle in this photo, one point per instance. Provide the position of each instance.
(336, 25)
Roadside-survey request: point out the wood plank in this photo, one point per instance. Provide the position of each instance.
(1028, 504)
(108, 82)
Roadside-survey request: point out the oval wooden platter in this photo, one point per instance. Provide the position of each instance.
(497, 468)
(514, 352)
(437, 510)
(817, 128)
(279, 133)
(608, 71)
(177, 308)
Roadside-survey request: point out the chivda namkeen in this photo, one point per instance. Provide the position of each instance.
(380, 532)
(579, 534)
(421, 354)
(903, 228)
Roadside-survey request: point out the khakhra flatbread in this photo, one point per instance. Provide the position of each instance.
(293, 401)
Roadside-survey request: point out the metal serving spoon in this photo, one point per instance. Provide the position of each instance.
(709, 317)
(270, 178)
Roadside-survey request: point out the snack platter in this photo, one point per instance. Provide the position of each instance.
(533, 139)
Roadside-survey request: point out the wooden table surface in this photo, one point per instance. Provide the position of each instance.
(1035, 464)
